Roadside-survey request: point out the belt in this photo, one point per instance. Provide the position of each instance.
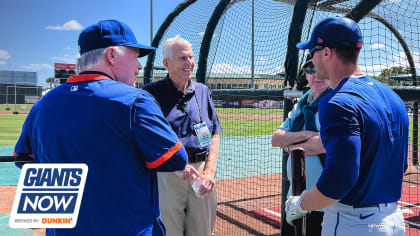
(366, 206)
(197, 157)
(370, 205)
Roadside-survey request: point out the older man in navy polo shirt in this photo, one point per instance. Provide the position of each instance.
(188, 107)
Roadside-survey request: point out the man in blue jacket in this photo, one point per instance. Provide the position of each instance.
(100, 119)
(364, 130)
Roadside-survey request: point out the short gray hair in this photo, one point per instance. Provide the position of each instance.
(94, 57)
(167, 46)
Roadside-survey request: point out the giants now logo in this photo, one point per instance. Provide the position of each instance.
(48, 196)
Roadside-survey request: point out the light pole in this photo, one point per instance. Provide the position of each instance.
(252, 47)
(7, 97)
(151, 21)
(16, 83)
(15, 97)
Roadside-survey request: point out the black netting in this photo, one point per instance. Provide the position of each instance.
(249, 169)
(231, 46)
(190, 25)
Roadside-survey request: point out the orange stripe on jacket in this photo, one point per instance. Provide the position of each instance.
(164, 157)
(86, 77)
(24, 154)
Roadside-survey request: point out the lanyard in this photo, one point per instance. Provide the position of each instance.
(186, 112)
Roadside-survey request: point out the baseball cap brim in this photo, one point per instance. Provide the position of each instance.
(305, 45)
(144, 50)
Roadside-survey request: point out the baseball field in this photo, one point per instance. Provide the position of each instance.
(235, 122)
(248, 175)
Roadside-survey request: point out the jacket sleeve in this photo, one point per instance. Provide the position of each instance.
(156, 140)
(23, 146)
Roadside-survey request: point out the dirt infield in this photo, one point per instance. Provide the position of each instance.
(241, 202)
(7, 195)
(239, 199)
(10, 112)
(221, 115)
(236, 199)
(244, 202)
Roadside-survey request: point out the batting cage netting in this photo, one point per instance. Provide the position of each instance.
(245, 52)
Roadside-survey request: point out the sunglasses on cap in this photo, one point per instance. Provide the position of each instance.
(310, 70)
(316, 48)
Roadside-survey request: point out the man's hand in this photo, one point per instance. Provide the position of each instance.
(186, 174)
(313, 146)
(191, 174)
(207, 182)
(283, 138)
(293, 209)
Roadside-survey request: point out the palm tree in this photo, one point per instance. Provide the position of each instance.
(50, 80)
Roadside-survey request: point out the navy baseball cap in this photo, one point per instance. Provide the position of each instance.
(334, 32)
(108, 33)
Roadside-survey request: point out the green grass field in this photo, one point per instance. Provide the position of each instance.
(411, 130)
(250, 111)
(18, 107)
(235, 127)
(10, 126)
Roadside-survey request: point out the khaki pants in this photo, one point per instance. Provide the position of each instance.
(182, 212)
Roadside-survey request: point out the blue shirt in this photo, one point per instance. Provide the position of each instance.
(184, 110)
(121, 134)
(364, 129)
(313, 164)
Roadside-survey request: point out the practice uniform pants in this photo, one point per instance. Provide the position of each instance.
(182, 211)
(386, 219)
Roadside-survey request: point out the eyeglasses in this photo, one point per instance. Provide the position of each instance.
(316, 48)
(310, 70)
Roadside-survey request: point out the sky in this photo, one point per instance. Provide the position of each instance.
(35, 34)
